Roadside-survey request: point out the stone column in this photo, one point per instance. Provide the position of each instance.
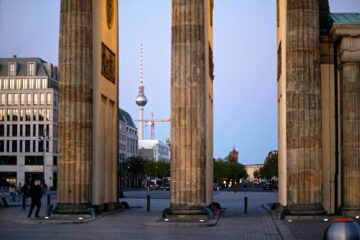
(303, 103)
(188, 107)
(75, 106)
(350, 126)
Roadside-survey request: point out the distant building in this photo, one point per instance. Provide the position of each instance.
(128, 136)
(154, 150)
(234, 154)
(28, 120)
(250, 169)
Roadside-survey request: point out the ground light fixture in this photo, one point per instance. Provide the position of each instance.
(325, 219)
(290, 220)
(202, 220)
(46, 217)
(80, 218)
(357, 217)
(166, 219)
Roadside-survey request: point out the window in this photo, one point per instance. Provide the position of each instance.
(8, 117)
(36, 98)
(18, 83)
(31, 83)
(8, 131)
(41, 130)
(12, 69)
(2, 147)
(22, 114)
(7, 160)
(35, 115)
(37, 83)
(12, 84)
(1, 83)
(42, 98)
(16, 99)
(21, 130)
(14, 146)
(2, 114)
(34, 160)
(2, 130)
(21, 146)
(22, 99)
(15, 114)
(6, 83)
(28, 114)
(48, 99)
(27, 130)
(10, 98)
(44, 83)
(34, 145)
(48, 114)
(7, 146)
(41, 114)
(14, 130)
(31, 69)
(3, 99)
(25, 83)
(34, 131)
(29, 99)
(27, 145)
(41, 146)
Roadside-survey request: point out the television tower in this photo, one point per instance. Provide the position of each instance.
(141, 100)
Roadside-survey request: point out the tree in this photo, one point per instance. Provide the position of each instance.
(159, 169)
(270, 167)
(228, 169)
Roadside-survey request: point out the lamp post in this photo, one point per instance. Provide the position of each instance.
(43, 139)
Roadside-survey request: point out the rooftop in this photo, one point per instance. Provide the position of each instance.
(345, 18)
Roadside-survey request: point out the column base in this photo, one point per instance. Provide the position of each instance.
(305, 209)
(72, 208)
(188, 213)
(349, 211)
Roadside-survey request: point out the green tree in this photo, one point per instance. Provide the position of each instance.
(270, 167)
(159, 169)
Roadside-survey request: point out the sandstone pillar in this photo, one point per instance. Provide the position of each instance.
(350, 125)
(191, 106)
(88, 93)
(303, 104)
(75, 106)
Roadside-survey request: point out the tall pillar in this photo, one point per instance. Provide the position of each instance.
(191, 101)
(350, 125)
(75, 106)
(88, 106)
(303, 104)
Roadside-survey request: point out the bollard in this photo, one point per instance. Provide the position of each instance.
(5, 203)
(342, 228)
(48, 200)
(245, 204)
(148, 203)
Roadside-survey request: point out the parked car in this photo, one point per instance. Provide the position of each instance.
(165, 187)
(267, 187)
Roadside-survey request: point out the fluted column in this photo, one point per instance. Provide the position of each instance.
(303, 103)
(75, 106)
(350, 126)
(188, 106)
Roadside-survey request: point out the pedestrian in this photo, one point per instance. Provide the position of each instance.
(12, 192)
(35, 193)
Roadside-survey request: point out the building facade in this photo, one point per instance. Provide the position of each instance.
(154, 150)
(128, 136)
(28, 120)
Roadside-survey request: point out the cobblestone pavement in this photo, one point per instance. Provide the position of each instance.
(129, 224)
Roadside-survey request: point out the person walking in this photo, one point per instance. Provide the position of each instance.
(35, 193)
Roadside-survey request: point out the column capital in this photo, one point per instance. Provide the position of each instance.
(349, 50)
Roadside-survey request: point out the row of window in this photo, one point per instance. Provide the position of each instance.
(26, 130)
(31, 67)
(29, 160)
(28, 114)
(36, 146)
(12, 99)
(19, 83)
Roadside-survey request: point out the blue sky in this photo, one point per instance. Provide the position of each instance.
(245, 105)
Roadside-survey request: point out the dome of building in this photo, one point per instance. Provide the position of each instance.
(141, 100)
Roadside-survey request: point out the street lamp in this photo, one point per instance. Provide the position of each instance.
(43, 139)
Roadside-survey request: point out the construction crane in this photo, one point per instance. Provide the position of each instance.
(152, 122)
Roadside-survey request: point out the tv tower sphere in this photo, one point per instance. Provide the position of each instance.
(141, 100)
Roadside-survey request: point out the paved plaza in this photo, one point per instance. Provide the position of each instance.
(129, 224)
